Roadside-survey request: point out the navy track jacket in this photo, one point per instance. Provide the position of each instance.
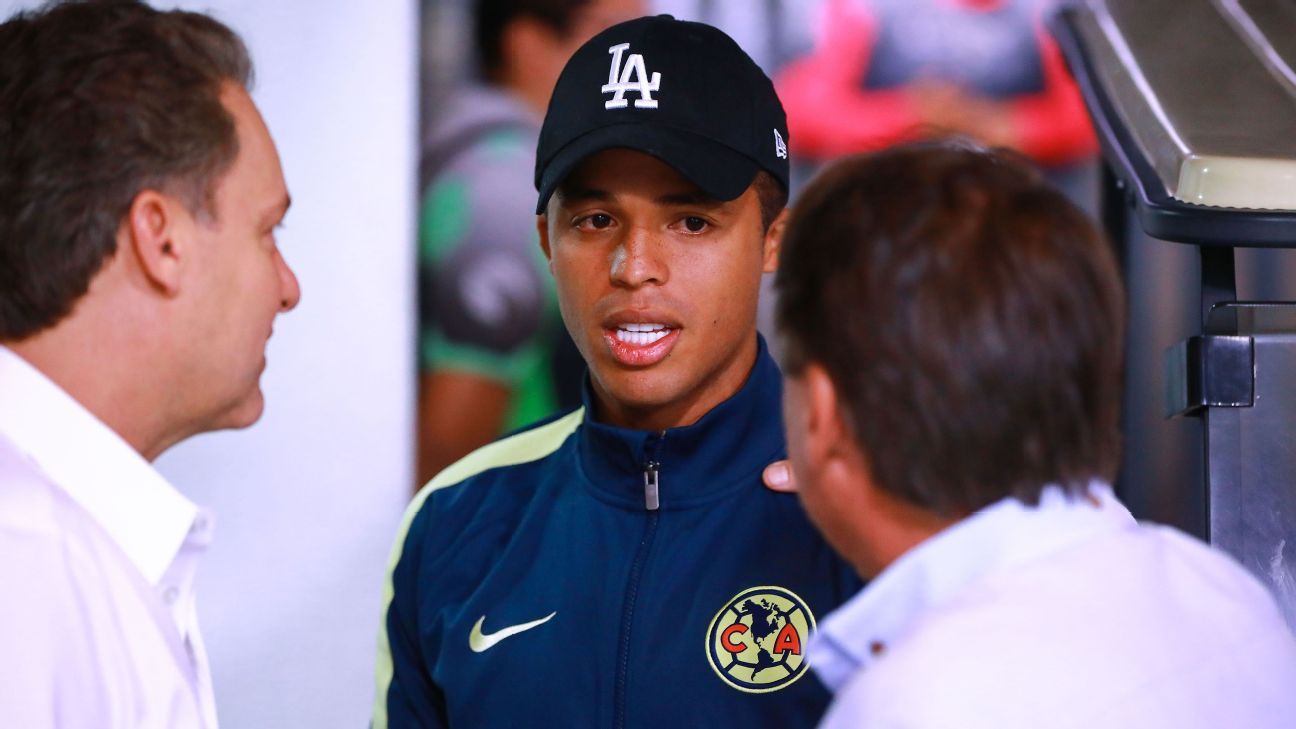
(580, 575)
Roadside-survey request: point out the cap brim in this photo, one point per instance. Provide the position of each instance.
(717, 170)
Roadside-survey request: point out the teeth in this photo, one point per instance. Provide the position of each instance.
(640, 334)
(642, 327)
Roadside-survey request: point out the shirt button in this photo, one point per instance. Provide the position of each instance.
(171, 594)
(877, 648)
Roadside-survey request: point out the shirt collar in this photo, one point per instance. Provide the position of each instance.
(146, 516)
(725, 450)
(996, 539)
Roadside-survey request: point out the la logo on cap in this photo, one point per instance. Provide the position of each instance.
(630, 77)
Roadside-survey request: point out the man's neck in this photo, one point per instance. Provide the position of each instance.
(888, 528)
(119, 393)
(657, 419)
(682, 411)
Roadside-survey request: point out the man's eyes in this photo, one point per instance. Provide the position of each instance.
(596, 221)
(602, 221)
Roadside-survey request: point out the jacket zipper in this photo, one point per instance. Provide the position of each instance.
(652, 497)
(651, 503)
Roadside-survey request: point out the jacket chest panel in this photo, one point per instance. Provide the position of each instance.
(579, 604)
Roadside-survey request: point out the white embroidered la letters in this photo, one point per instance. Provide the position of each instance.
(780, 147)
(631, 77)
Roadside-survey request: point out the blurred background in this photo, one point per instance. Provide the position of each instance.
(427, 324)
(854, 76)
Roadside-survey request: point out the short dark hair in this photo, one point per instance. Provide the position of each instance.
(772, 195)
(100, 100)
(493, 16)
(970, 317)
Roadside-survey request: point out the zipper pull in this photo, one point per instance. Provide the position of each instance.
(651, 500)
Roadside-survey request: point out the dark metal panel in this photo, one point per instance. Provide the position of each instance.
(1252, 473)
(1209, 372)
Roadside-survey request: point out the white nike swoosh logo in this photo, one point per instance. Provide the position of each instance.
(479, 641)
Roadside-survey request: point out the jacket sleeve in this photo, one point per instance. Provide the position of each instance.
(405, 695)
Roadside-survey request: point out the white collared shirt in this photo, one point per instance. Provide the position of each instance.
(98, 555)
(1066, 615)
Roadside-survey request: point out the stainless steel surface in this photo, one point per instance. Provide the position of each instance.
(1267, 26)
(1251, 472)
(1209, 97)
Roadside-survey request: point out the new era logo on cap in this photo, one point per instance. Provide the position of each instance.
(680, 91)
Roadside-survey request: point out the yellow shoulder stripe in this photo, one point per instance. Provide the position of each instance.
(527, 446)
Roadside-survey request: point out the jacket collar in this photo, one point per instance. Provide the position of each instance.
(726, 450)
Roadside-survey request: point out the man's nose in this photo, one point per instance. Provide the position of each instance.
(637, 261)
(289, 288)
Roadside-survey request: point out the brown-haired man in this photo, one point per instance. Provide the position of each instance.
(954, 353)
(139, 281)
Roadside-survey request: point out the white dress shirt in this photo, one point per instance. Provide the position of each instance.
(1066, 615)
(98, 555)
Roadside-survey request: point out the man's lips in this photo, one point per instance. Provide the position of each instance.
(640, 344)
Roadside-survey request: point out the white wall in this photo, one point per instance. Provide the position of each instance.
(308, 500)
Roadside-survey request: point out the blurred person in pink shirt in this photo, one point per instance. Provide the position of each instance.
(884, 72)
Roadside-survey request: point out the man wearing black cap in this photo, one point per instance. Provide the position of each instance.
(622, 565)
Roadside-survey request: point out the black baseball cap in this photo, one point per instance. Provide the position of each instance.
(680, 91)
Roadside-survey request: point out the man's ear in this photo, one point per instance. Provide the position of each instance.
(774, 241)
(154, 232)
(542, 227)
(827, 437)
